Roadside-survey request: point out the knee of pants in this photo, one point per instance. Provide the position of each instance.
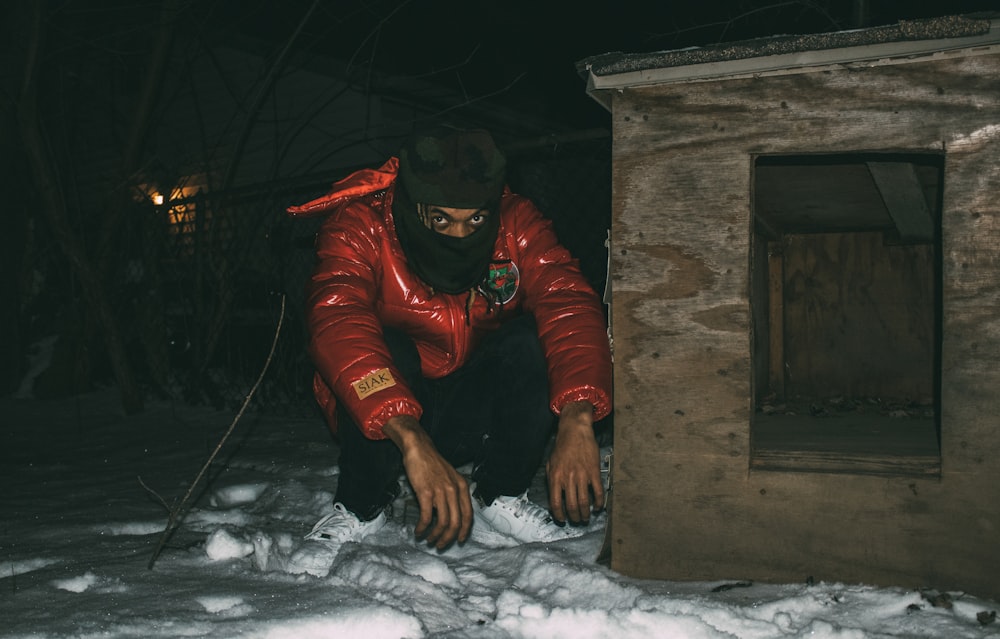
(519, 350)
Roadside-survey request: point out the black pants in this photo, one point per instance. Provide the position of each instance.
(493, 412)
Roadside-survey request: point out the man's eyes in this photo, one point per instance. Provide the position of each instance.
(441, 221)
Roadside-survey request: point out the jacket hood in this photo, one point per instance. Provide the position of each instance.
(358, 184)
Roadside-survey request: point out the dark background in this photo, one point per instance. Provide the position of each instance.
(524, 51)
(97, 291)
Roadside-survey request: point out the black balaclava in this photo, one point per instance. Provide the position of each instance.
(456, 168)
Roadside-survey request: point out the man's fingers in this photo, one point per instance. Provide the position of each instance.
(452, 517)
(573, 503)
(567, 502)
(584, 502)
(449, 535)
(572, 500)
(441, 525)
(574, 470)
(556, 500)
(443, 496)
(465, 508)
(426, 515)
(599, 497)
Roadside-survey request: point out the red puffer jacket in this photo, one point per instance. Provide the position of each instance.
(362, 282)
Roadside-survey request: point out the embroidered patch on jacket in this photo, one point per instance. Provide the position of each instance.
(373, 383)
(503, 280)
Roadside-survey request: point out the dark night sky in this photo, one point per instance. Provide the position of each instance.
(525, 50)
(519, 52)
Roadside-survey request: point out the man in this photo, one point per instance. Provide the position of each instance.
(449, 327)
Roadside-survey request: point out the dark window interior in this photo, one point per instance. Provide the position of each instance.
(846, 304)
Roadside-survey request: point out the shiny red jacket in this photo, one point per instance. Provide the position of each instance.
(362, 282)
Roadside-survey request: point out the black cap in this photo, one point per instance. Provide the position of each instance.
(447, 166)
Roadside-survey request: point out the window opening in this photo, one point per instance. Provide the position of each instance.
(846, 305)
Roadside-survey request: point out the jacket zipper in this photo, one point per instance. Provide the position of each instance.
(459, 328)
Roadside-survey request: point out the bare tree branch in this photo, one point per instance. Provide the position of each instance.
(730, 21)
(263, 90)
(178, 513)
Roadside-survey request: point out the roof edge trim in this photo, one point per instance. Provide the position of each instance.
(791, 63)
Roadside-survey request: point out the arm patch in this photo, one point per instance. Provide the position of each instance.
(373, 383)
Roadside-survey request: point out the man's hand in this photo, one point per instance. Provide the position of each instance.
(574, 468)
(443, 494)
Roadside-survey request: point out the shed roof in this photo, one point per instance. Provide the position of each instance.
(784, 54)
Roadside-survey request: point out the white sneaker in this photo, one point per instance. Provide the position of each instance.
(328, 535)
(522, 519)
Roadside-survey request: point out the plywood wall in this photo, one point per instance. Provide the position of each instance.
(687, 506)
(859, 318)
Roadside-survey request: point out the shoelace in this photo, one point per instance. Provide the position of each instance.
(337, 521)
(323, 529)
(524, 508)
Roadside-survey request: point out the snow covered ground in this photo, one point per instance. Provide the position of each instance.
(78, 530)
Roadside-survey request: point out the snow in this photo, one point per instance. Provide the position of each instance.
(79, 528)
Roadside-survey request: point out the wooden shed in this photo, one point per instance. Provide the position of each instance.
(805, 293)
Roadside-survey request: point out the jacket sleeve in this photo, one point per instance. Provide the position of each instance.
(571, 323)
(346, 343)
